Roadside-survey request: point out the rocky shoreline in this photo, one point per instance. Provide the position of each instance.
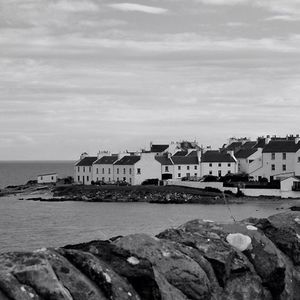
(200, 260)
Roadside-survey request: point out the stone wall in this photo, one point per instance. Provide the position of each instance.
(200, 260)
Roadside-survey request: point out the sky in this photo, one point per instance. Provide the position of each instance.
(89, 75)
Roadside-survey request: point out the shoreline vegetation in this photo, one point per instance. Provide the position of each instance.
(112, 193)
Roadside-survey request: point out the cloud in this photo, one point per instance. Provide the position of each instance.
(138, 8)
(287, 18)
(75, 6)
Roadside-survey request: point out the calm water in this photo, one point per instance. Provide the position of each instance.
(19, 172)
(27, 225)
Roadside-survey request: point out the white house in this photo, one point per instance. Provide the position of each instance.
(247, 158)
(135, 169)
(84, 169)
(185, 166)
(47, 178)
(216, 163)
(279, 159)
(103, 168)
(167, 166)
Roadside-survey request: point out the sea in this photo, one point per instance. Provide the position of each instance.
(27, 225)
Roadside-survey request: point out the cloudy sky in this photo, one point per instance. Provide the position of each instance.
(83, 75)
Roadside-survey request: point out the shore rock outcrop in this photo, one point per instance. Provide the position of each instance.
(253, 259)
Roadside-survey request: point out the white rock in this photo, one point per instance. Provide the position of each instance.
(297, 220)
(251, 227)
(133, 260)
(23, 289)
(208, 221)
(239, 241)
(107, 277)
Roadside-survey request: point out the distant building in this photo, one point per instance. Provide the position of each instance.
(185, 166)
(103, 168)
(47, 178)
(84, 169)
(216, 163)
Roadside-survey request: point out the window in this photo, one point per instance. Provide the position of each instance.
(130, 171)
(179, 175)
(273, 167)
(124, 171)
(124, 178)
(195, 168)
(283, 167)
(229, 165)
(219, 173)
(138, 171)
(83, 169)
(108, 178)
(87, 178)
(179, 167)
(90, 169)
(103, 178)
(130, 180)
(229, 172)
(273, 156)
(195, 174)
(97, 171)
(299, 159)
(166, 169)
(219, 165)
(102, 170)
(78, 169)
(52, 178)
(78, 178)
(210, 172)
(117, 170)
(108, 170)
(188, 167)
(284, 156)
(210, 164)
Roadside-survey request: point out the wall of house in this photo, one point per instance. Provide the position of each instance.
(214, 169)
(297, 163)
(246, 165)
(124, 173)
(103, 172)
(149, 167)
(170, 170)
(181, 171)
(52, 178)
(83, 175)
(278, 162)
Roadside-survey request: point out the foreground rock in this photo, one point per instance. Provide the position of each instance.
(252, 259)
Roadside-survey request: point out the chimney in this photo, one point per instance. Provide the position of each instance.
(83, 155)
(297, 139)
(267, 139)
(103, 153)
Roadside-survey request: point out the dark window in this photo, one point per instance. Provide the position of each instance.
(210, 164)
(179, 174)
(78, 169)
(188, 167)
(273, 167)
(124, 178)
(97, 171)
(284, 156)
(51, 177)
(219, 165)
(219, 173)
(195, 167)
(210, 172)
(102, 170)
(130, 171)
(196, 174)
(90, 169)
(87, 178)
(166, 169)
(108, 170)
(83, 169)
(179, 167)
(138, 171)
(229, 165)
(130, 180)
(283, 167)
(124, 171)
(103, 178)
(229, 172)
(78, 178)
(273, 156)
(117, 170)
(298, 159)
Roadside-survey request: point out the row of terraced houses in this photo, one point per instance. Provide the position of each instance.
(267, 157)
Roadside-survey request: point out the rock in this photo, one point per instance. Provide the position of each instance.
(198, 260)
(239, 241)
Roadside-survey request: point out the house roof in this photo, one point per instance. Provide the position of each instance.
(181, 153)
(248, 145)
(185, 160)
(281, 146)
(260, 143)
(48, 174)
(233, 146)
(87, 161)
(159, 148)
(164, 160)
(216, 156)
(245, 153)
(106, 160)
(193, 153)
(128, 160)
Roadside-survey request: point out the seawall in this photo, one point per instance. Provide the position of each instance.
(201, 259)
